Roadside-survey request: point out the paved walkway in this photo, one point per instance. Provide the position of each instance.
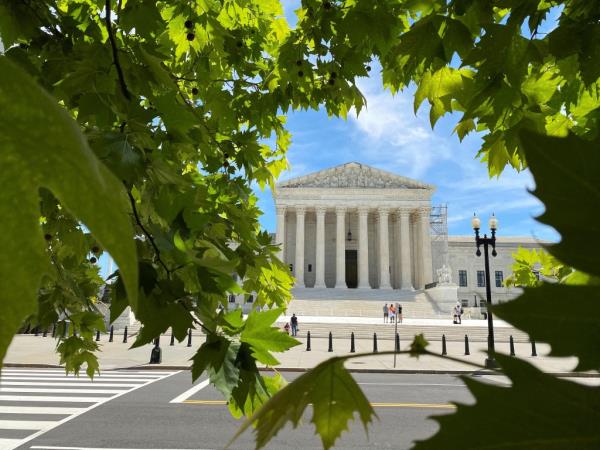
(377, 321)
(37, 350)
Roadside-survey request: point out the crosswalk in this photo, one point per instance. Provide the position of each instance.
(33, 401)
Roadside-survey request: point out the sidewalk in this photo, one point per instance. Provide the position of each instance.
(37, 350)
(378, 320)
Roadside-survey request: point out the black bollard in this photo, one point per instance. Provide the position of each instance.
(189, 344)
(97, 335)
(125, 336)
(156, 355)
(45, 333)
(330, 349)
(54, 329)
(444, 351)
(512, 346)
(533, 349)
(27, 329)
(467, 352)
(308, 341)
(112, 332)
(352, 346)
(36, 331)
(172, 343)
(397, 342)
(375, 343)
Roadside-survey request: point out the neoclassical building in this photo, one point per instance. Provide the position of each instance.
(355, 226)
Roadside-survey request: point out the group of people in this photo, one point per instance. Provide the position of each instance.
(391, 313)
(294, 327)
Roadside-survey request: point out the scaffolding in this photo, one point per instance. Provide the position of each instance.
(438, 221)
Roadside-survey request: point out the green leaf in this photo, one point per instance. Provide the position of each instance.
(265, 338)
(568, 183)
(331, 390)
(42, 147)
(217, 356)
(538, 411)
(566, 317)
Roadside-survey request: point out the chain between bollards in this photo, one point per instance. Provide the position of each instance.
(444, 351)
(308, 341)
(467, 352)
(330, 349)
(352, 346)
(512, 346)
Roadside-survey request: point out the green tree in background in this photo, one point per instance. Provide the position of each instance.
(138, 127)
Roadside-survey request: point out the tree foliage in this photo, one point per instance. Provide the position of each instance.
(184, 102)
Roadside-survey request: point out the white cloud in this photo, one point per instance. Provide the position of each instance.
(391, 136)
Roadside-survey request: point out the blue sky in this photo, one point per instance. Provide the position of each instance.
(388, 135)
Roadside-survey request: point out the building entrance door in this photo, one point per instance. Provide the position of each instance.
(351, 268)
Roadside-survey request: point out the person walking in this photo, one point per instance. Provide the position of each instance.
(392, 313)
(399, 313)
(385, 313)
(286, 327)
(294, 321)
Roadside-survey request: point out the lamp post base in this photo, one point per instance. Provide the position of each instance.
(490, 363)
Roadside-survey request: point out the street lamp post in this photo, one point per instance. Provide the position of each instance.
(490, 361)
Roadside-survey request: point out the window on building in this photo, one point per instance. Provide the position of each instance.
(250, 299)
(231, 298)
(499, 278)
(464, 302)
(291, 267)
(480, 278)
(310, 267)
(462, 278)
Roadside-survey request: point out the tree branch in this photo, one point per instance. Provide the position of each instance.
(115, 51)
(146, 233)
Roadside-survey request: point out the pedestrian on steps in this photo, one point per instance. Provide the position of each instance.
(385, 313)
(392, 313)
(294, 321)
(399, 312)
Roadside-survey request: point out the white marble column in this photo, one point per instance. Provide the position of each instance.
(405, 263)
(320, 250)
(280, 232)
(426, 262)
(384, 249)
(340, 247)
(363, 247)
(299, 264)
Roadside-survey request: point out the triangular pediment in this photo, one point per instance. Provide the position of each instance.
(354, 175)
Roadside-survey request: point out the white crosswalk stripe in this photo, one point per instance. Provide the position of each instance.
(33, 401)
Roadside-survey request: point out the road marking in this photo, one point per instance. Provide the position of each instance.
(187, 394)
(50, 398)
(78, 380)
(51, 447)
(25, 424)
(62, 410)
(97, 402)
(374, 404)
(64, 376)
(414, 384)
(61, 391)
(9, 443)
(90, 383)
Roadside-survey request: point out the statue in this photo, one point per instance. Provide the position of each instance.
(444, 275)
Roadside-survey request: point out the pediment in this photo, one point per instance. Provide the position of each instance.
(354, 175)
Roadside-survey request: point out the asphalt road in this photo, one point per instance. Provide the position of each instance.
(145, 418)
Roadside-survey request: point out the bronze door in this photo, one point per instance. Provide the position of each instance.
(351, 268)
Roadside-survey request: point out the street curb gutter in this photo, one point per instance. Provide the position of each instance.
(300, 370)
